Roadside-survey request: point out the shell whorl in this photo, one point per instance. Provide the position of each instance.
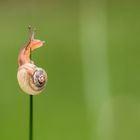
(31, 78)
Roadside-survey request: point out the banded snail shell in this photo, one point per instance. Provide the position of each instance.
(32, 79)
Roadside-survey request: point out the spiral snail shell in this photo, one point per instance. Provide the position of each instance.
(32, 79)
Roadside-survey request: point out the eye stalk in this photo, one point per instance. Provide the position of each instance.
(24, 55)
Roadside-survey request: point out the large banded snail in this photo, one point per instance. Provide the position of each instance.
(31, 79)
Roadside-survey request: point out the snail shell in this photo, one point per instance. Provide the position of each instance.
(32, 79)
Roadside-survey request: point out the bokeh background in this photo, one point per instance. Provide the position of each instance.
(92, 57)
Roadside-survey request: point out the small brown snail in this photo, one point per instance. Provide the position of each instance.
(32, 79)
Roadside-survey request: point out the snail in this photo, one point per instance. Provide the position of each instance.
(32, 79)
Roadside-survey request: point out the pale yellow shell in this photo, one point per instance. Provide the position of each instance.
(26, 80)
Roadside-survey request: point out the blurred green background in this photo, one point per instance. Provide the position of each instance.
(92, 57)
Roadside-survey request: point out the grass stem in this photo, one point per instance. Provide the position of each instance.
(31, 118)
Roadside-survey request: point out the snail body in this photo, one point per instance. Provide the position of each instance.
(32, 79)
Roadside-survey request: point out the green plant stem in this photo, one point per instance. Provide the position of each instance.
(31, 119)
